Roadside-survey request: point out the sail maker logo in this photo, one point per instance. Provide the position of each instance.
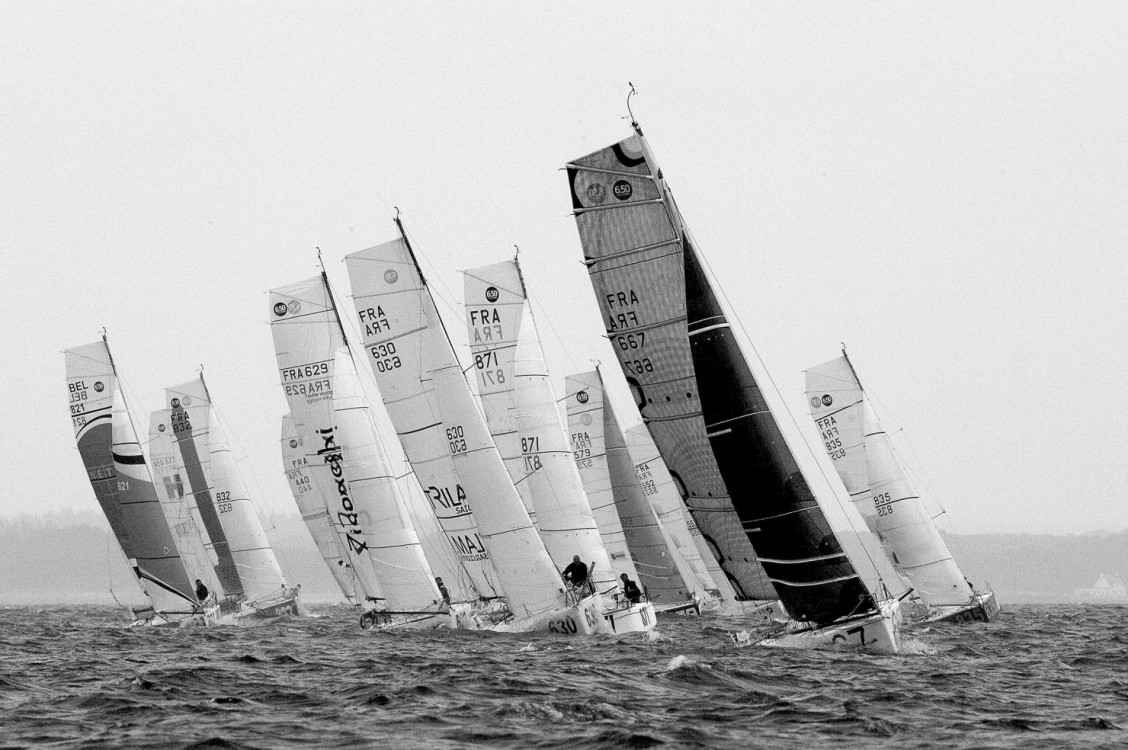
(582, 397)
(348, 517)
(827, 400)
(492, 294)
(622, 190)
(99, 386)
(596, 193)
(280, 309)
(390, 276)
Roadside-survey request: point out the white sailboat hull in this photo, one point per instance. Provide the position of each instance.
(584, 618)
(153, 619)
(983, 608)
(876, 633)
(634, 618)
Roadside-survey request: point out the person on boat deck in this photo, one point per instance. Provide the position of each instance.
(443, 590)
(201, 591)
(576, 573)
(630, 589)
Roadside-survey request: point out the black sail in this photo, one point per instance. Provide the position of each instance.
(697, 394)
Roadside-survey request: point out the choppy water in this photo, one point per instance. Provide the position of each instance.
(1047, 676)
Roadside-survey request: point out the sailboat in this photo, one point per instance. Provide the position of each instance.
(698, 566)
(706, 412)
(348, 463)
(435, 413)
(609, 477)
(526, 425)
(322, 526)
(879, 486)
(119, 474)
(250, 578)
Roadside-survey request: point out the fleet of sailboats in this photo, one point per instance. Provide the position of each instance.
(438, 502)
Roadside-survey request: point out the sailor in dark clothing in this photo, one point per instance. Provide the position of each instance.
(630, 589)
(201, 591)
(576, 573)
(442, 590)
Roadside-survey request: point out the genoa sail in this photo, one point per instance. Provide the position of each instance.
(697, 394)
(521, 412)
(115, 464)
(315, 514)
(880, 487)
(442, 428)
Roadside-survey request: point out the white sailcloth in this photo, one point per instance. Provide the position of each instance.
(523, 419)
(178, 502)
(342, 449)
(396, 334)
(406, 340)
(698, 565)
(584, 398)
(115, 464)
(872, 473)
(315, 512)
(225, 506)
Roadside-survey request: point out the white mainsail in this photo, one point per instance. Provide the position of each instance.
(343, 450)
(521, 411)
(433, 408)
(864, 458)
(228, 513)
(178, 502)
(587, 429)
(115, 464)
(397, 339)
(697, 563)
(326, 534)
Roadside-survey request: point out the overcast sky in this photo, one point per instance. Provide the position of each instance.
(941, 186)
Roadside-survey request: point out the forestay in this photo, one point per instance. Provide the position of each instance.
(879, 486)
(115, 464)
(697, 394)
(522, 416)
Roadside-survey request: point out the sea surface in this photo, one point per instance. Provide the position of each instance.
(1042, 676)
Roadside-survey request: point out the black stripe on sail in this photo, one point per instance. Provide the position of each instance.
(137, 460)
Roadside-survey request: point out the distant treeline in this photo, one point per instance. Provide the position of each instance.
(69, 557)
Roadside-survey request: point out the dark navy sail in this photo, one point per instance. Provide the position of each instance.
(697, 394)
(788, 530)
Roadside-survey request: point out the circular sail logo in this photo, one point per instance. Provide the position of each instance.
(99, 386)
(293, 443)
(582, 397)
(492, 294)
(280, 309)
(294, 307)
(596, 193)
(815, 402)
(175, 403)
(585, 419)
(187, 401)
(161, 427)
(622, 190)
(390, 276)
(827, 400)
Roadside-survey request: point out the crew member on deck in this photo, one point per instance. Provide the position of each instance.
(576, 573)
(201, 591)
(443, 590)
(630, 589)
